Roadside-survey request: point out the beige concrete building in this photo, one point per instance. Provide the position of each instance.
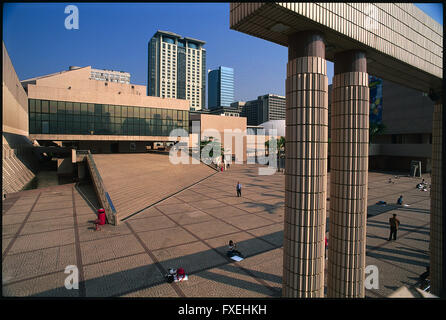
(15, 101)
(407, 135)
(407, 115)
(215, 126)
(100, 115)
(18, 162)
(392, 41)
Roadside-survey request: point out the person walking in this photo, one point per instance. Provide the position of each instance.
(239, 189)
(400, 200)
(394, 225)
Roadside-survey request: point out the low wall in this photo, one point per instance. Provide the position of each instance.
(19, 164)
(101, 191)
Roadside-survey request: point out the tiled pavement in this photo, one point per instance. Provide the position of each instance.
(46, 230)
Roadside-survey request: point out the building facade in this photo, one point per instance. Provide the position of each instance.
(222, 111)
(99, 115)
(405, 115)
(176, 68)
(220, 87)
(264, 108)
(19, 164)
(108, 75)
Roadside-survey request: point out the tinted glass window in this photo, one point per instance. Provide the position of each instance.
(38, 106)
(45, 106)
(84, 108)
(53, 106)
(97, 109)
(61, 107)
(76, 108)
(32, 105)
(69, 107)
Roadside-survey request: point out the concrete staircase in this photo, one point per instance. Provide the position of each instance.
(18, 167)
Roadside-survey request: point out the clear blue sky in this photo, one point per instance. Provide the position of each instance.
(115, 36)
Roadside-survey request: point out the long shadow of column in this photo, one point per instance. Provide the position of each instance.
(147, 276)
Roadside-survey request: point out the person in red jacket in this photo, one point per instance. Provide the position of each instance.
(326, 248)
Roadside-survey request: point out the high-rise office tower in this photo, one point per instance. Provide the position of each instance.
(177, 68)
(265, 108)
(220, 87)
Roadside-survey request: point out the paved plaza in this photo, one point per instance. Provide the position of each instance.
(45, 230)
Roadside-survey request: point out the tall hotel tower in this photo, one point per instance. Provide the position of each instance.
(177, 68)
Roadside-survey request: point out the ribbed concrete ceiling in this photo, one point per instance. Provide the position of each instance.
(275, 22)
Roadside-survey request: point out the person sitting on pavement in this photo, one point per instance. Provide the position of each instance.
(232, 251)
(176, 275)
(181, 275)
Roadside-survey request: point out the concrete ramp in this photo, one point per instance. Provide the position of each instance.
(136, 181)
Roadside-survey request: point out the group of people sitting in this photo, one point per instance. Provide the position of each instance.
(176, 275)
(422, 185)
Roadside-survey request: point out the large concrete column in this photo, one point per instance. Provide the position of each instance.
(305, 166)
(437, 215)
(348, 176)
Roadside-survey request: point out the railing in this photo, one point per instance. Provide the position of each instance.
(101, 191)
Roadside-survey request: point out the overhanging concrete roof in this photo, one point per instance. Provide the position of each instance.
(403, 44)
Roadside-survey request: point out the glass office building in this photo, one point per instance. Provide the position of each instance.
(65, 117)
(221, 87)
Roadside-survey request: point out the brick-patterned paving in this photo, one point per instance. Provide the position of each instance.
(130, 259)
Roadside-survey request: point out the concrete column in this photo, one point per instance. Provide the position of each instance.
(348, 176)
(437, 215)
(305, 166)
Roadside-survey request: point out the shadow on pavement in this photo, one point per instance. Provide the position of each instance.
(402, 251)
(385, 225)
(373, 254)
(144, 277)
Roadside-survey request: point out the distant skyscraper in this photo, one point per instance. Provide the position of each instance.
(265, 108)
(177, 68)
(221, 87)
